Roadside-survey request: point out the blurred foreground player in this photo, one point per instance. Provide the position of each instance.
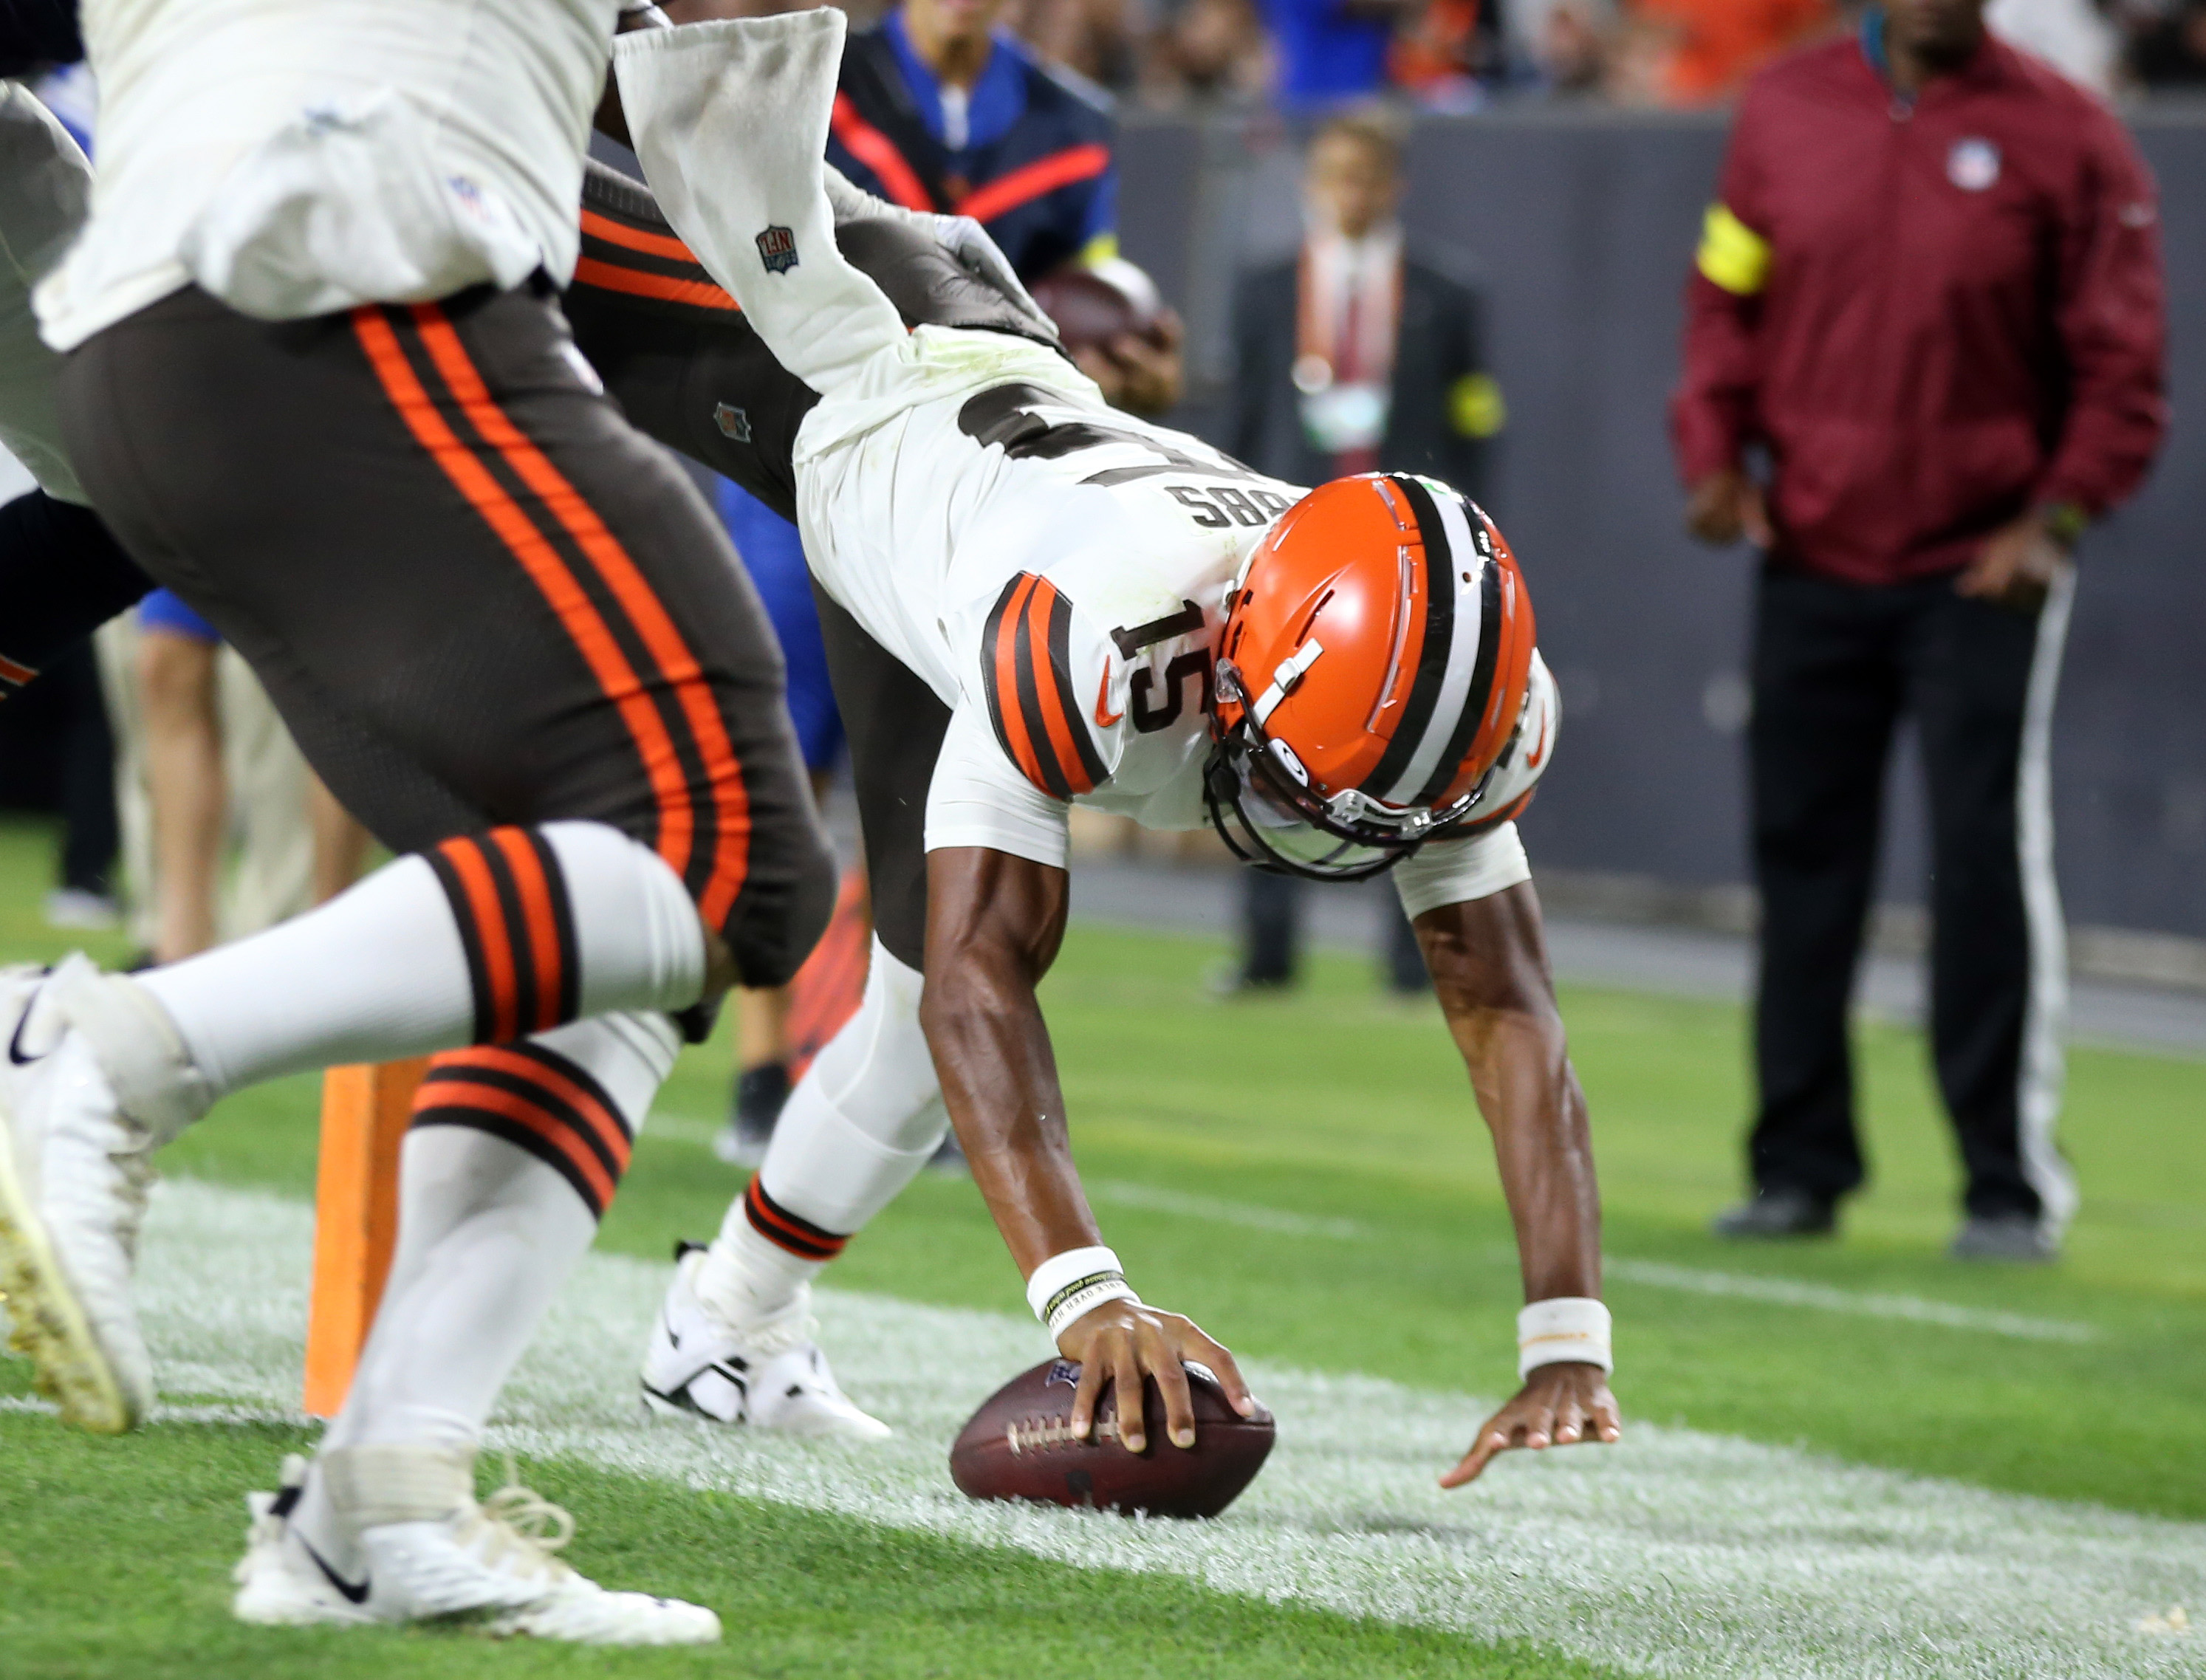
(1931, 292)
(317, 382)
(62, 573)
(1030, 599)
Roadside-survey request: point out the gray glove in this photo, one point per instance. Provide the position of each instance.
(963, 237)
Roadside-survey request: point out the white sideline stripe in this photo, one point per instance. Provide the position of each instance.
(2043, 1069)
(1126, 1194)
(1676, 1553)
(1789, 1292)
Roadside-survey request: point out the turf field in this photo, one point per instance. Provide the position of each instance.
(1850, 1458)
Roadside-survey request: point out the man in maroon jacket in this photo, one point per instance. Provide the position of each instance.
(1930, 297)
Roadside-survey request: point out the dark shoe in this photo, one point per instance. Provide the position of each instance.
(1778, 1213)
(2016, 1238)
(759, 1093)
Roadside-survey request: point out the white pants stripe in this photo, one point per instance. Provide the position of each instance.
(2043, 1067)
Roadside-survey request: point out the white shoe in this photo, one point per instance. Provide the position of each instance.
(488, 1566)
(768, 1375)
(74, 1178)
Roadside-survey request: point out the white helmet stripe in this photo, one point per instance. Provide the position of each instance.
(1463, 571)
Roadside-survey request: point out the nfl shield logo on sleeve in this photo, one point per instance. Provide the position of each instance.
(777, 250)
(1973, 165)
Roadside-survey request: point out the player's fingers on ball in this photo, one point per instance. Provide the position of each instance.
(1126, 1377)
(1084, 1394)
(1222, 1366)
(1179, 1403)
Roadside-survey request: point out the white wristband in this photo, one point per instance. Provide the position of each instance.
(1569, 1328)
(1065, 1287)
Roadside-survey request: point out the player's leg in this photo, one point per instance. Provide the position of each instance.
(866, 1117)
(1826, 697)
(514, 1154)
(530, 622)
(1982, 682)
(184, 780)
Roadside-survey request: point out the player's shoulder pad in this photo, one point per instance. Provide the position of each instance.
(1037, 658)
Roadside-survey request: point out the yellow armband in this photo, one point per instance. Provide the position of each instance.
(1731, 254)
(1475, 406)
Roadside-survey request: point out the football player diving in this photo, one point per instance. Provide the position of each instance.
(1032, 600)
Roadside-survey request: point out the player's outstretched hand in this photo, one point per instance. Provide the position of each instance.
(1122, 1341)
(1559, 1405)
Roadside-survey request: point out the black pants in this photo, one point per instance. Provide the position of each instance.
(475, 594)
(1835, 666)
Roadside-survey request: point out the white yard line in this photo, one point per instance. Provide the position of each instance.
(1675, 1554)
(1126, 1194)
(1823, 1297)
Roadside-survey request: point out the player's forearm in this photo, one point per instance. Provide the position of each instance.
(1489, 967)
(1000, 1080)
(993, 924)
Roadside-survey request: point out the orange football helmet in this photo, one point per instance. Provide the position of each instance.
(1371, 673)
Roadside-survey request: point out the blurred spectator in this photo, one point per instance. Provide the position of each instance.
(1332, 52)
(1931, 291)
(1567, 42)
(1207, 50)
(1704, 49)
(1447, 51)
(1094, 39)
(202, 758)
(2073, 36)
(1353, 356)
(2167, 42)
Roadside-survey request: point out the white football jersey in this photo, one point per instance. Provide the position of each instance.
(1057, 571)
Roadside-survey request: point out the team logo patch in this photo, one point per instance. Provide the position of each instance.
(733, 422)
(776, 248)
(1973, 165)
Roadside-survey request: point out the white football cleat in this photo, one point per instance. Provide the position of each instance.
(433, 1554)
(74, 1178)
(768, 1375)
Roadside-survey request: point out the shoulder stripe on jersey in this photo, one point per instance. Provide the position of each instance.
(1433, 656)
(1027, 673)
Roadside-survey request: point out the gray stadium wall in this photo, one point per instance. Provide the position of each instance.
(1581, 226)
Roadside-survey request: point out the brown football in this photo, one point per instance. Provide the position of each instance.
(1094, 306)
(1020, 1446)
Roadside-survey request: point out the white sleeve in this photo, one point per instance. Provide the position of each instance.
(1456, 872)
(979, 798)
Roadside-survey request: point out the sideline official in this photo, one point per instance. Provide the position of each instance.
(1930, 294)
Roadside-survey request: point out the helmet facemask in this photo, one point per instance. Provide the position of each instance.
(1255, 784)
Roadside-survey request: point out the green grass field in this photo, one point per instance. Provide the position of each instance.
(1308, 1178)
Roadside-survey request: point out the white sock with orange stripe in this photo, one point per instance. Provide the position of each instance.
(861, 1122)
(494, 1212)
(485, 940)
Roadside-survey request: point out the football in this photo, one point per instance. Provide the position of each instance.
(1094, 306)
(1020, 1446)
